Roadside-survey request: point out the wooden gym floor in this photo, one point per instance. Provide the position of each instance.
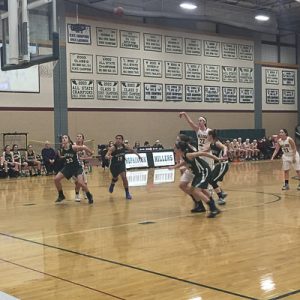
(151, 247)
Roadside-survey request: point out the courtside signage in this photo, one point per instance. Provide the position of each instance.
(133, 161)
(162, 159)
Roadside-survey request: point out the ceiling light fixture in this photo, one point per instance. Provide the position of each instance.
(188, 5)
(262, 17)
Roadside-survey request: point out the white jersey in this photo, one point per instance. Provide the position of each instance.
(286, 147)
(203, 143)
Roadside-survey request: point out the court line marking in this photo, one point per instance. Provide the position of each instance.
(168, 218)
(60, 278)
(122, 265)
(285, 295)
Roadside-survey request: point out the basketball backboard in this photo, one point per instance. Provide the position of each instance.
(29, 33)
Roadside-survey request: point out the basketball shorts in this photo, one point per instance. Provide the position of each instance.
(202, 179)
(117, 169)
(287, 162)
(219, 172)
(187, 176)
(71, 171)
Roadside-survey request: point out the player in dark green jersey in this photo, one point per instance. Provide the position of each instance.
(220, 168)
(71, 167)
(202, 173)
(116, 153)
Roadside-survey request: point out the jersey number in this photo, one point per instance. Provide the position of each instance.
(69, 160)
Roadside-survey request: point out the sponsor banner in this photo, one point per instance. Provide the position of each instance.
(137, 178)
(163, 176)
(133, 161)
(162, 159)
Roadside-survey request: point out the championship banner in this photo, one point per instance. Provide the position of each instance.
(137, 178)
(163, 159)
(163, 176)
(133, 161)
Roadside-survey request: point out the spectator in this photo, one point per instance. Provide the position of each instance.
(32, 161)
(158, 145)
(147, 144)
(136, 145)
(49, 158)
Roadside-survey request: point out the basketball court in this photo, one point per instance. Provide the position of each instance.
(151, 247)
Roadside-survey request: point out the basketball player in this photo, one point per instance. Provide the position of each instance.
(220, 169)
(290, 156)
(116, 154)
(202, 174)
(82, 155)
(187, 175)
(71, 168)
(200, 129)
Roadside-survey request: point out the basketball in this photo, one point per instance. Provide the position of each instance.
(119, 11)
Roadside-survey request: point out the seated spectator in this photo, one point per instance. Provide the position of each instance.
(234, 150)
(136, 145)
(158, 145)
(49, 158)
(147, 144)
(255, 150)
(9, 162)
(33, 163)
(247, 150)
(22, 165)
(229, 150)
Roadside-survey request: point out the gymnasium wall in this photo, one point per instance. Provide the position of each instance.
(33, 112)
(150, 126)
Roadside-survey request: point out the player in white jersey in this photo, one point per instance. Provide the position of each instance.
(202, 133)
(290, 156)
(81, 155)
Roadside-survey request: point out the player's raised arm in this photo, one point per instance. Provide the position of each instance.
(192, 124)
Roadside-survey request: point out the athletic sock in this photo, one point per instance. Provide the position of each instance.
(212, 205)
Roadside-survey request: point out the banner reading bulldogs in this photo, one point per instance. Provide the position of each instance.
(163, 159)
(133, 161)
